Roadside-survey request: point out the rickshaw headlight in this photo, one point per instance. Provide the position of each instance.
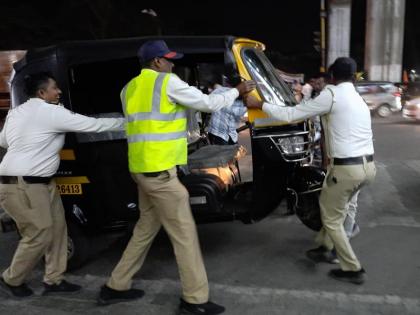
(292, 145)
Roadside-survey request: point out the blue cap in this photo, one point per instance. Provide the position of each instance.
(156, 48)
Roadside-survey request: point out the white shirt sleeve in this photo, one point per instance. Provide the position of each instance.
(183, 94)
(66, 121)
(318, 106)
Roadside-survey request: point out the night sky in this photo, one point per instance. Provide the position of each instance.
(286, 27)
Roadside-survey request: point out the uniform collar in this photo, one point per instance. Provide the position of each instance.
(345, 84)
(148, 70)
(145, 70)
(38, 100)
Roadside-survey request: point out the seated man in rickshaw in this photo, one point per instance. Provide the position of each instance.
(223, 123)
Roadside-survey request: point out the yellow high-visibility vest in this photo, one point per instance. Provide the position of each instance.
(156, 128)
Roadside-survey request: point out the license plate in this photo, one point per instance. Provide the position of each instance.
(69, 189)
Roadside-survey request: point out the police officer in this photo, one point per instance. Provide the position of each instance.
(34, 134)
(155, 104)
(348, 136)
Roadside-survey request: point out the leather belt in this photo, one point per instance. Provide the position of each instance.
(352, 160)
(8, 179)
(37, 179)
(27, 179)
(153, 174)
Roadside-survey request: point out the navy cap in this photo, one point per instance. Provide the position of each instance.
(344, 66)
(156, 48)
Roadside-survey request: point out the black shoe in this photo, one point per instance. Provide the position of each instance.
(62, 287)
(356, 277)
(110, 296)
(208, 308)
(15, 291)
(322, 254)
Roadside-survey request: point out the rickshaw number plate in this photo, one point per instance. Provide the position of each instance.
(69, 189)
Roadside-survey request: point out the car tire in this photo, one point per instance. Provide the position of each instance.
(78, 246)
(384, 111)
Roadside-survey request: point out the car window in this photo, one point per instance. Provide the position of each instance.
(385, 87)
(389, 88)
(369, 89)
(362, 89)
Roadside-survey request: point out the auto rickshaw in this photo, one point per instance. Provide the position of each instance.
(98, 193)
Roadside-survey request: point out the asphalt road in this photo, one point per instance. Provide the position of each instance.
(261, 268)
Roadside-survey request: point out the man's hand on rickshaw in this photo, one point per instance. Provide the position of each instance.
(252, 102)
(245, 87)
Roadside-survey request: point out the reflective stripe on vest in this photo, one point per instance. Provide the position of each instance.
(155, 116)
(156, 128)
(157, 136)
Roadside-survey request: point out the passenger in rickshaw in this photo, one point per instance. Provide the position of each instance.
(223, 123)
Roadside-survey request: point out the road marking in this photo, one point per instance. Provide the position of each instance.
(231, 294)
(395, 221)
(410, 304)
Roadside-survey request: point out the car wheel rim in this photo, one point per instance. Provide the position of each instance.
(384, 111)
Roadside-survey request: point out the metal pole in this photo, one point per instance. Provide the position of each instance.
(323, 16)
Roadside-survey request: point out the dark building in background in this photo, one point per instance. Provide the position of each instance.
(411, 56)
(286, 27)
(358, 30)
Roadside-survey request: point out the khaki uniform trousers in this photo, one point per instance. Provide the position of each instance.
(340, 185)
(164, 201)
(39, 215)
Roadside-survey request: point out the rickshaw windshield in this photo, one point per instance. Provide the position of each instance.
(271, 87)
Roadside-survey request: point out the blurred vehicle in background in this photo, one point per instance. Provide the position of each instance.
(411, 101)
(412, 109)
(411, 90)
(382, 97)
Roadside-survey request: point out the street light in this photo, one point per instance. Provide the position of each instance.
(155, 17)
(149, 12)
